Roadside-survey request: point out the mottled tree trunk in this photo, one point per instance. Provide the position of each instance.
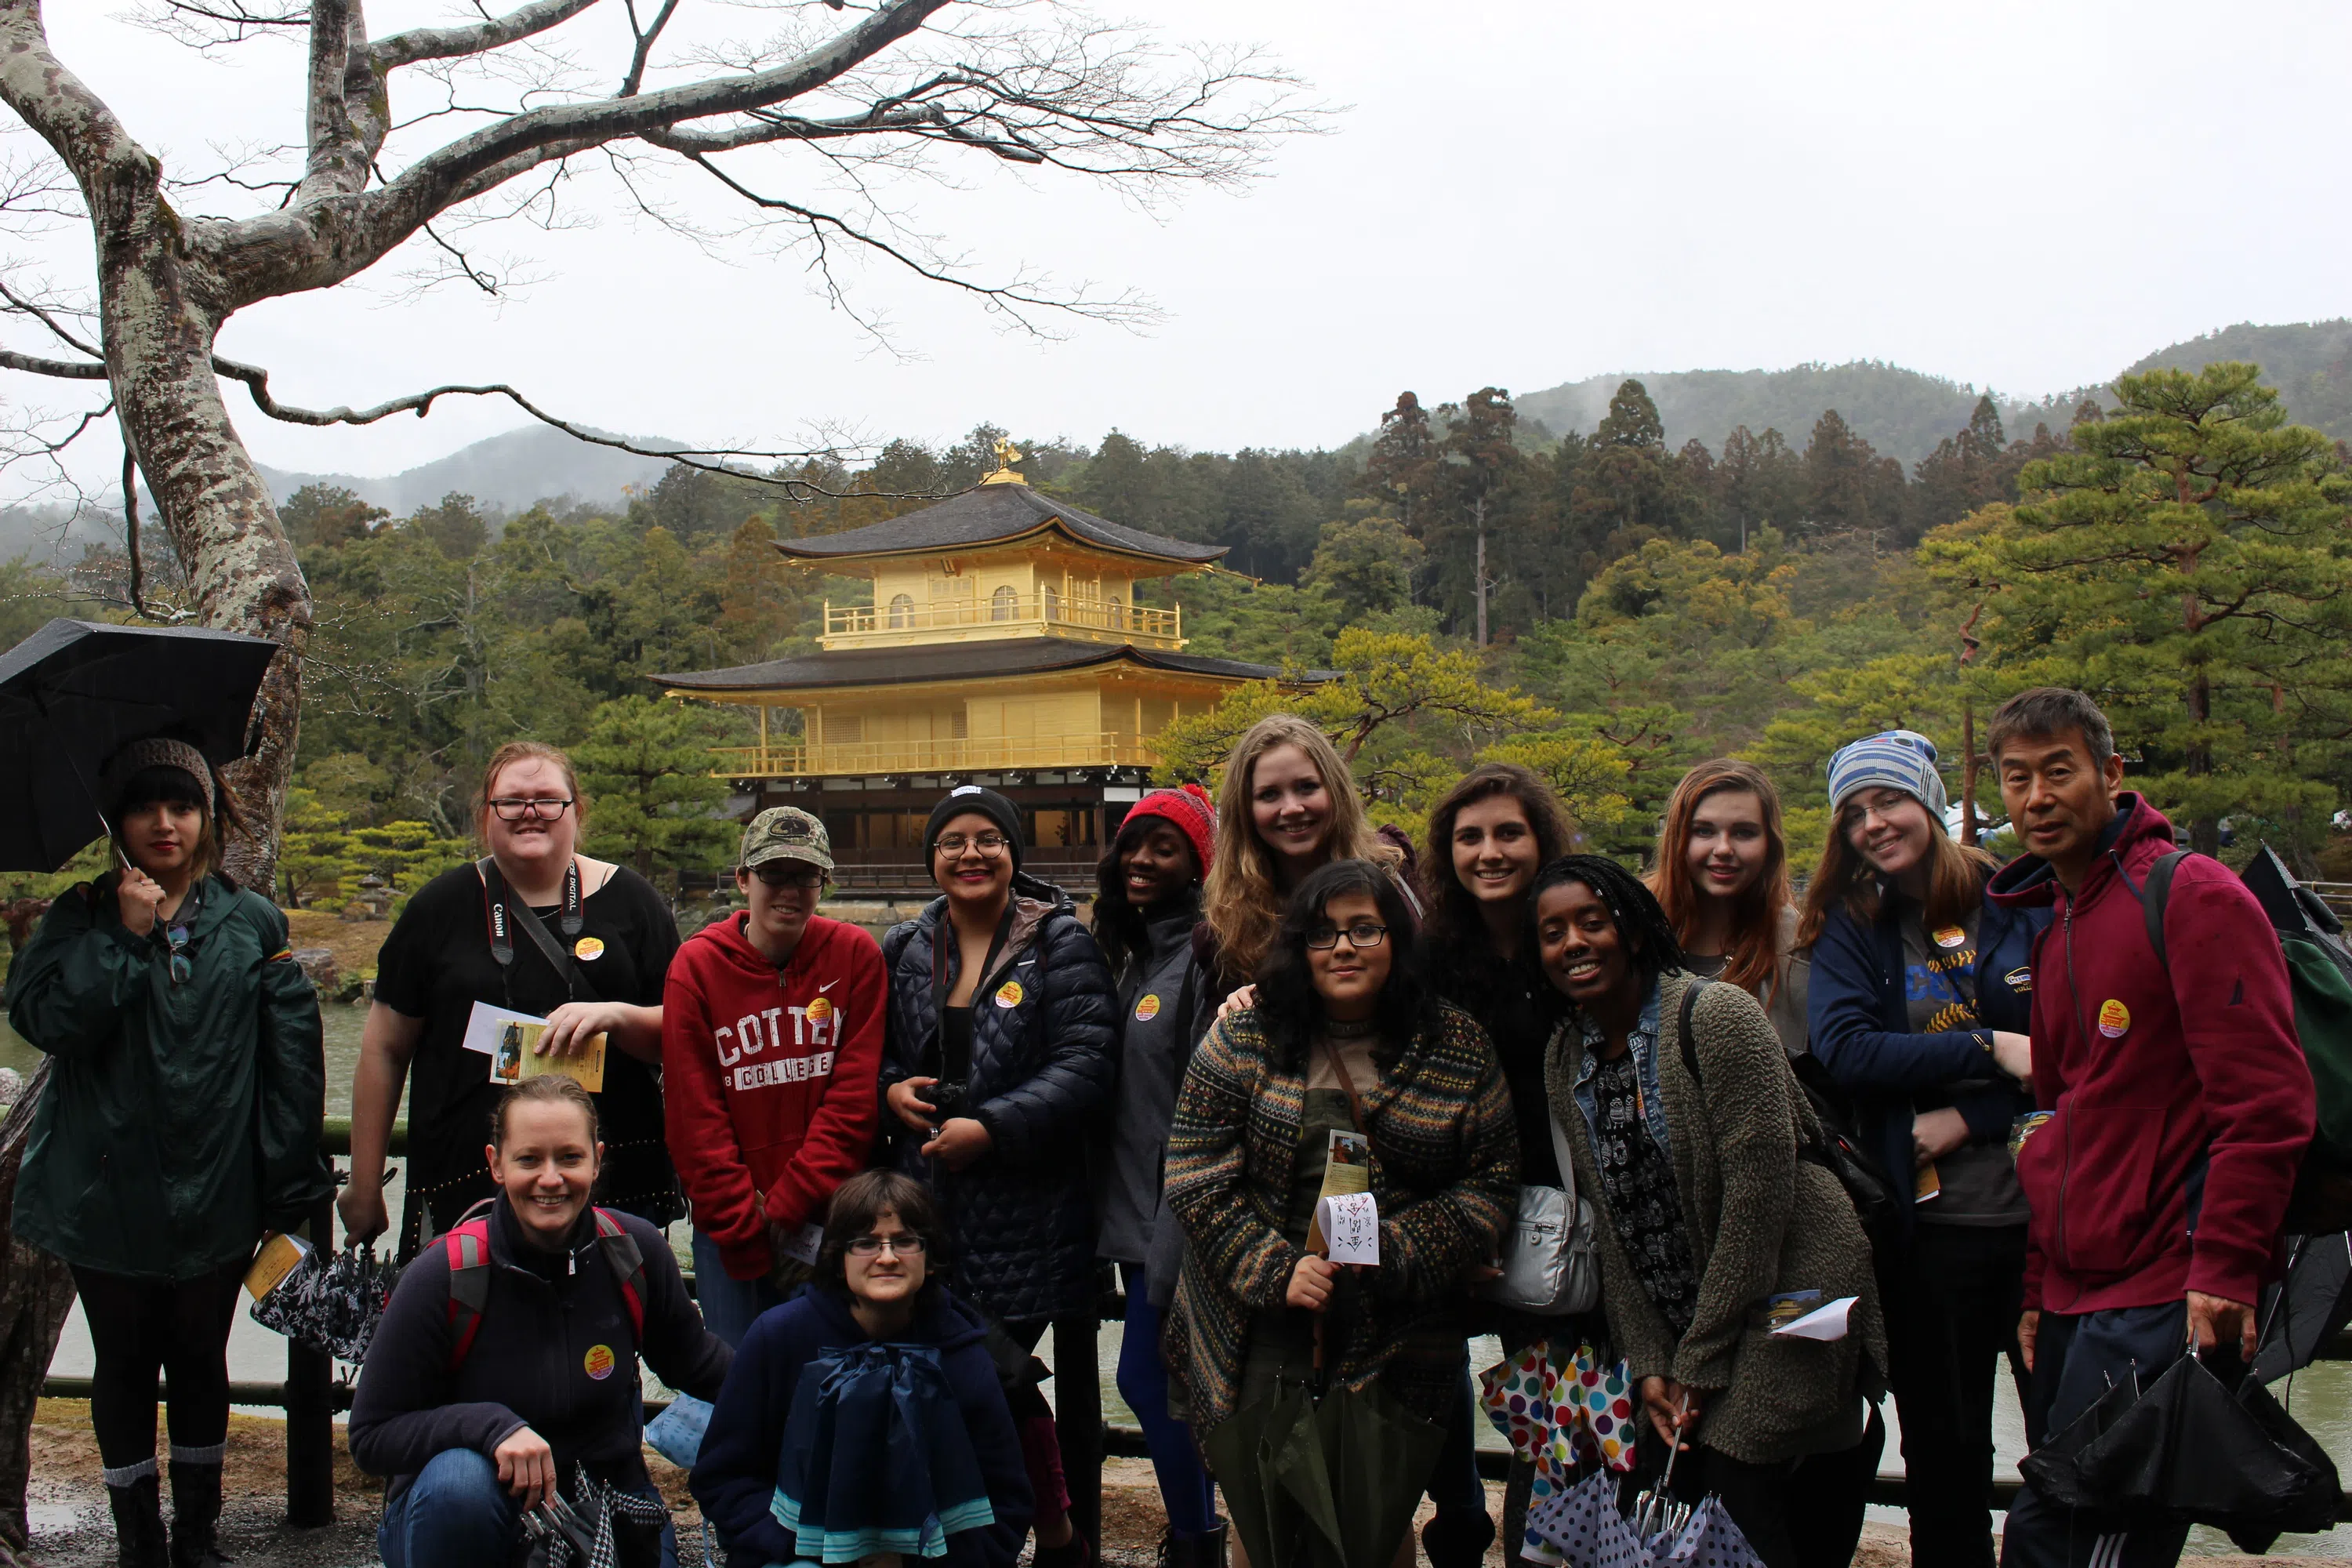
(159, 307)
(37, 1291)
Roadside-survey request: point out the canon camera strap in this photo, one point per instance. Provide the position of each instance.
(502, 920)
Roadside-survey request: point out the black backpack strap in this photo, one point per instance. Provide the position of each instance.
(2154, 894)
(1698, 982)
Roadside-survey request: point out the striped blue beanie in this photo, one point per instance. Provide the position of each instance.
(1895, 759)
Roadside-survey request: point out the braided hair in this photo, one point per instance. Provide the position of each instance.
(1642, 925)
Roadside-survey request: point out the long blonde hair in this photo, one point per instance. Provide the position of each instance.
(1243, 899)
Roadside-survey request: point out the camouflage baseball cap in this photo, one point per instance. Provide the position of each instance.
(785, 833)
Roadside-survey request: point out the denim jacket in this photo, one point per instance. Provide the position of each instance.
(1644, 1043)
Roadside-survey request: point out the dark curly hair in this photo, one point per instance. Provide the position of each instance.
(1641, 924)
(857, 1203)
(1288, 1005)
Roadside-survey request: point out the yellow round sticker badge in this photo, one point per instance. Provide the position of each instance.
(598, 1362)
(588, 947)
(2113, 1018)
(820, 1010)
(1009, 994)
(1951, 936)
(1146, 1009)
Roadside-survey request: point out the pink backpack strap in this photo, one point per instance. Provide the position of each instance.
(468, 1247)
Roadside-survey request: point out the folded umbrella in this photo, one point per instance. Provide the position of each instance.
(75, 693)
(2054, 1464)
(2191, 1450)
(2304, 1310)
(1584, 1525)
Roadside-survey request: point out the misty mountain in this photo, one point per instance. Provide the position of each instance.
(1902, 413)
(2310, 364)
(504, 474)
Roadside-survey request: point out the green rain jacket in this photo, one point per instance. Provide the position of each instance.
(181, 1121)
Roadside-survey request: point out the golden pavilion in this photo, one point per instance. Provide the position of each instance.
(1002, 646)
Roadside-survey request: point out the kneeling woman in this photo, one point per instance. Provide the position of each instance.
(1345, 1037)
(874, 1287)
(1690, 1147)
(482, 1397)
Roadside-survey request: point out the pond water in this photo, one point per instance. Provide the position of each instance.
(2320, 1397)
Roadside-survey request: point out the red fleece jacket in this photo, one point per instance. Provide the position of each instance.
(2143, 1070)
(768, 1079)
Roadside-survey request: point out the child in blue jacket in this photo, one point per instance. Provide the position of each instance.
(902, 1436)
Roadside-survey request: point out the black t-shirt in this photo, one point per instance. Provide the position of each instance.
(436, 963)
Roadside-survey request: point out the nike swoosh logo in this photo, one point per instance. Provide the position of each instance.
(828, 986)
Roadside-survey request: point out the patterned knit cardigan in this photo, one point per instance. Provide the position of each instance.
(1445, 1170)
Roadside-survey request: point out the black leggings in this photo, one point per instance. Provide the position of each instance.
(138, 1326)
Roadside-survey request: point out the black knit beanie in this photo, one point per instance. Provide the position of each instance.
(987, 804)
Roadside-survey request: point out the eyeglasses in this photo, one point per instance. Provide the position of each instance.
(778, 875)
(989, 845)
(898, 1245)
(513, 810)
(1363, 934)
(184, 968)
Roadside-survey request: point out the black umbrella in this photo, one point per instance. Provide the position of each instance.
(2191, 1450)
(2304, 1310)
(75, 693)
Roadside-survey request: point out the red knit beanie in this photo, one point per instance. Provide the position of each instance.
(1190, 808)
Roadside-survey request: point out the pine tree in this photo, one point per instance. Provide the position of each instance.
(2189, 563)
(1479, 462)
(1401, 467)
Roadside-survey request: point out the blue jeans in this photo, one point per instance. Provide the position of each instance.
(729, 1306)
(456, 1515)
(1185, 1489)
(2075, 1356)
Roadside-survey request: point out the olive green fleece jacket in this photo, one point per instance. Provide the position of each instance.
(1761, 1222)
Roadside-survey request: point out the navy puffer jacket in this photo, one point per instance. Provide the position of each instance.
(1044, 1041)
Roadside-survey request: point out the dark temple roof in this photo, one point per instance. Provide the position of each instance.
(988, 515)
(956, 661)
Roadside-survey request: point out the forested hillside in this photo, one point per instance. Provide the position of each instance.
(1608, 605)
(2311, 365)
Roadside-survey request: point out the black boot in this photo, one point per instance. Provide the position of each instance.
(1194, 1550)
(195, 1516)
(1074, 1553)
(1457, 1539)
(138, 1524)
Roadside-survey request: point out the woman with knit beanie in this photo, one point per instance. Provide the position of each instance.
(182, 1123)
(997, 1067)
(1147, 908)
(1921, 994)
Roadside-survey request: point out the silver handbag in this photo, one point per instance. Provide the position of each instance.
(1551, 1262)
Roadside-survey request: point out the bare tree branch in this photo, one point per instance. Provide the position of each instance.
(645, 39)
(64, 369)
(18, 304)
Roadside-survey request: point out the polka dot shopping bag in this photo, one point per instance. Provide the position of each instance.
(1564, 1411)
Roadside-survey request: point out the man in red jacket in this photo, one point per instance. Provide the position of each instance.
(2174, 1103)
(771, 1046)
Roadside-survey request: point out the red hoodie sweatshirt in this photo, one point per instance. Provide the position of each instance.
(2142, 1070)
(768, 1079)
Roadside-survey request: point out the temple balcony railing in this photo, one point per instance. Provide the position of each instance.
(1003, 614)
(784, 760)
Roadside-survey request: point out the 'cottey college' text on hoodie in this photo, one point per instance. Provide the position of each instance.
(768, 1079)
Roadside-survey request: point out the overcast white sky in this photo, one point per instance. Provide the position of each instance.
(1521, 192)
